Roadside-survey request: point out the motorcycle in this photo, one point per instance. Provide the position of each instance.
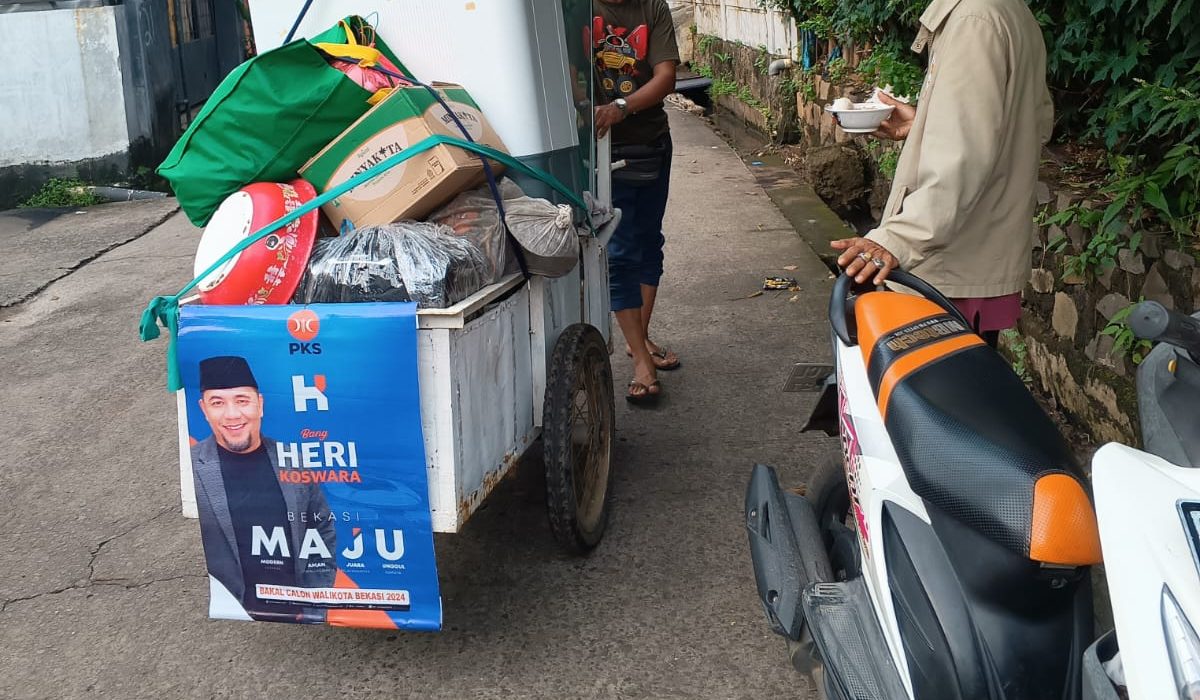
(1149, 511)
(946, 552)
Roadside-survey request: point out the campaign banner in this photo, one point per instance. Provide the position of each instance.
(309, 463)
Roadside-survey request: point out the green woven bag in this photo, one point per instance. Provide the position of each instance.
(265, 120)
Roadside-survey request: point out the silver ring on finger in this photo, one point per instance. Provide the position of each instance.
(864, 257)
(878, 263)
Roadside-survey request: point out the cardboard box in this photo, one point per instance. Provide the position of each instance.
(417, 186)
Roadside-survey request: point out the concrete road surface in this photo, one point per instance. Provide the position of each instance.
(104, 591)
(44, 245)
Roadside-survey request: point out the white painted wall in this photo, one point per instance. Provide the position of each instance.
(748, 22)
(61, 92)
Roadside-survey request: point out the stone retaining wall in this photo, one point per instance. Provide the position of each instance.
(765, 103)
(1065, 315)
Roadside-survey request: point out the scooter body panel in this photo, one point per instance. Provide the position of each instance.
(1146, 546)
(875, 476)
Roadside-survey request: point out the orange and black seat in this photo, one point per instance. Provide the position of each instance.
(970, 437)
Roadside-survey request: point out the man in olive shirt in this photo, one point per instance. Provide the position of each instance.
(636, 55)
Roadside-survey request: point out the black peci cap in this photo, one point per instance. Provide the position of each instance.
(225, 372)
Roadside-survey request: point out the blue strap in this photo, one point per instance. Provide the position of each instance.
(487, 167)
(299, 18)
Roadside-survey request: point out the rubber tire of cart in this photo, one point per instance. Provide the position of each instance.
(578, 523)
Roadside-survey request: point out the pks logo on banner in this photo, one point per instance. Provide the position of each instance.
(304, 326)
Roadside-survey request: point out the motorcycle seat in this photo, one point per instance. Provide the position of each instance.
(970, 437)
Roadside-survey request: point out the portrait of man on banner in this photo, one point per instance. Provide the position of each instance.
(257, 529)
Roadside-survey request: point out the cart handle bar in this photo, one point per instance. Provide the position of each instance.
(164, 310)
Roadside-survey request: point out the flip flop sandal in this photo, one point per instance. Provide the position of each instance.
(647, 397)
(661, 355)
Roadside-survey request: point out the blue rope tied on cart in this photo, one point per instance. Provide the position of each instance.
(163, 311)
(299, 18)
(513, 244)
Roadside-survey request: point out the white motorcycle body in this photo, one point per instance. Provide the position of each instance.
(1147, 510)
(1148, 505)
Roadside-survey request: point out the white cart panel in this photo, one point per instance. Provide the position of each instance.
(476, 404)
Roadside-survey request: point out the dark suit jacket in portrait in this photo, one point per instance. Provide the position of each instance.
(216, 521)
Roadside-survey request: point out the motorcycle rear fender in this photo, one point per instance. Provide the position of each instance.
(786, 550)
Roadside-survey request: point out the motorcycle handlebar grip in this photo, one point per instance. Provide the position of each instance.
(1151, 320)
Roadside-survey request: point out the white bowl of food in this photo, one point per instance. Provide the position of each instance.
(861, 117)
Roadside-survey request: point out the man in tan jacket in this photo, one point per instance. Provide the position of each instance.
(960, 214)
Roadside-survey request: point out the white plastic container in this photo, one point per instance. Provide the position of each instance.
(862, 118)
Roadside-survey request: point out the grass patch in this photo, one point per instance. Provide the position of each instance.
(60, 192)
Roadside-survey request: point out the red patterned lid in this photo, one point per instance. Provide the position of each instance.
(269, 271)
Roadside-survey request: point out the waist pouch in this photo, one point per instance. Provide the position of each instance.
(644, 162)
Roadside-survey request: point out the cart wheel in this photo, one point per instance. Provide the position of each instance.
(578, 423)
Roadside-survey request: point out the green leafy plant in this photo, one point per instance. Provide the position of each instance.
(837, 70)
(803, 84)
(722, 57)
(1168, 191)
(1019, 354)
(792, 85)
(721, 87)
(865, 19)
(1125, 343)
(1107, 234)
(746, 96)
(1106, 240)
(762, 59)
(706, 42)
(1098, 50)
(893, 64)
(59, 192)
(888, 161)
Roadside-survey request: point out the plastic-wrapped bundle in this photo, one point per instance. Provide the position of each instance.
(545, 232)
(404, 261)
(473, 216)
